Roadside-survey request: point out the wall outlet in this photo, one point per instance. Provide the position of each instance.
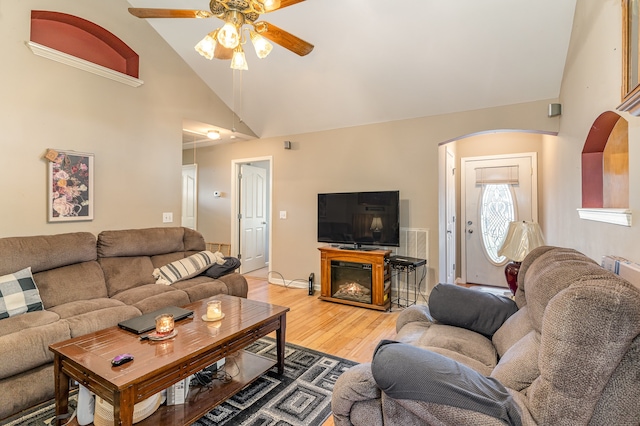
(283, 214)
(167, 217)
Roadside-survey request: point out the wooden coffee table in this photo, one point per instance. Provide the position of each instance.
(159, 364)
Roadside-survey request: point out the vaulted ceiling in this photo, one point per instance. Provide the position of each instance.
(376, 61)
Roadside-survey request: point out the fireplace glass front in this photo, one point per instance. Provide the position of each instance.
(351, 281)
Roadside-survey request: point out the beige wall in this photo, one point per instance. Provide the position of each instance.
(395, 155)
(591, 86)
(135, 133)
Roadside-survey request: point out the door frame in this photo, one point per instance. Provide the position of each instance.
(235, 205)
(463, 197)
(194, 167)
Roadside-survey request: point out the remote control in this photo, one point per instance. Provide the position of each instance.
(121, 359)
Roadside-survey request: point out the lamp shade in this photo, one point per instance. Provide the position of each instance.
(376, 224)
(522, 237)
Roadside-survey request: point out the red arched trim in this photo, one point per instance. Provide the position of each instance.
(593, 159)
(83, 39)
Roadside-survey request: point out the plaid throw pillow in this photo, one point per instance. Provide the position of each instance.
(184, 268)
(19, 294)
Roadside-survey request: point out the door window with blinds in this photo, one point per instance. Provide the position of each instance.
(497, 207)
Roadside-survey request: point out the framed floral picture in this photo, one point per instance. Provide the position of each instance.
(71, 194)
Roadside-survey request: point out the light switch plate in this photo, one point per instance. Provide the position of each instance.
(167, 217)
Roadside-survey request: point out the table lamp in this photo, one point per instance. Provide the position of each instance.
(376, 228)
(522, 237)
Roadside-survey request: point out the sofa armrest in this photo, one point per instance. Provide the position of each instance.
(353, 386)
(414, 313)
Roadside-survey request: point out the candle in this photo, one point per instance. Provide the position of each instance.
(214, 309)
(164, 324)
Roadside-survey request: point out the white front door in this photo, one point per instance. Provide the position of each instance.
(495, 191)
(253, 217)
(190, 196)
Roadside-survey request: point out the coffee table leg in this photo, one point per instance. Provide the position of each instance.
(280, 337)
(61, 381)
(123, 407)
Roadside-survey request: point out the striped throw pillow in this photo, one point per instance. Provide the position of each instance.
(184, 269)
(19, 294)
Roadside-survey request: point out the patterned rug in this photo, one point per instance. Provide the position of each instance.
(299, 397)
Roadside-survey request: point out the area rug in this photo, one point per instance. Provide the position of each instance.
(299, 397)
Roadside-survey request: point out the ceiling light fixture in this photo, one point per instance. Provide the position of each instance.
(207, 46)
(238, 61)
(229, 36)
(222, 43)
(270, 5)
(213, 135)
(262, 46)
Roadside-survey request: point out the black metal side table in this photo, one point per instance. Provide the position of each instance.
(406, 265)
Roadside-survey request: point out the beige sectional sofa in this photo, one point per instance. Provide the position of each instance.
(87, 284)
(569, 355)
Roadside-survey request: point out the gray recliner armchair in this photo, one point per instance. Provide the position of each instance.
(569, 355)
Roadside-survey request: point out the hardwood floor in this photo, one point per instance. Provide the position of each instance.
(341, 330)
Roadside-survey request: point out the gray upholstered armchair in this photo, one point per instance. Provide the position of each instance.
(570, 355)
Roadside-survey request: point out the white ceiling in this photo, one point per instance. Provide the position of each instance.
(377, 61)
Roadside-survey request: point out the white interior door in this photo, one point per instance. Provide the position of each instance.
(190, 196)
(253, 217)
(495, 191)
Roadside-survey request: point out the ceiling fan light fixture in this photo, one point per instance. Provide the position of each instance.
(238, 61)
(207, 46)
(213, 135)
(262, 46)
(228, 36)
(270, 5)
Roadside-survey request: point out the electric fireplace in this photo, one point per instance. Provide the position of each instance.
(355, 277)
(351, 281)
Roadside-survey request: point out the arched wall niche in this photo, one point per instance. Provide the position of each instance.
(605, 171)
(83, 39)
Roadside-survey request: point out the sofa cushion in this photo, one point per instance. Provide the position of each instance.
(18, 294)
(105, 313)
(515, 328)
(25, 340)
(405, 371)
(124, 273)
(518, 367)
(140, 242)
(184, 268)
(202, 287)
(193, 241)
(551, 273)
(469, 308)
(46, 251)
(80, 281)
(465, 343)
(150, 297)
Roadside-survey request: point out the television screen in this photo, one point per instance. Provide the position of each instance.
(359, 218)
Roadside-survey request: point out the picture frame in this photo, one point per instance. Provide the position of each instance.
(70, 183)
(630, 57)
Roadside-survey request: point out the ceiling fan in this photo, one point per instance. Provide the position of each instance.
(226, 42)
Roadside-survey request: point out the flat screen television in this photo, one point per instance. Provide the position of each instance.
(358, 219)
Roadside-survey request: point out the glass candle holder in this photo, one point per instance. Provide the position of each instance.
(164, 324)
(214, 309)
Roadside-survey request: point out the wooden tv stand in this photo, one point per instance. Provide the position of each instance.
(380, 275)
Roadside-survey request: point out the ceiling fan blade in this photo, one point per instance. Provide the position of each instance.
(283, 38)
(169, 13)
(285, 3)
